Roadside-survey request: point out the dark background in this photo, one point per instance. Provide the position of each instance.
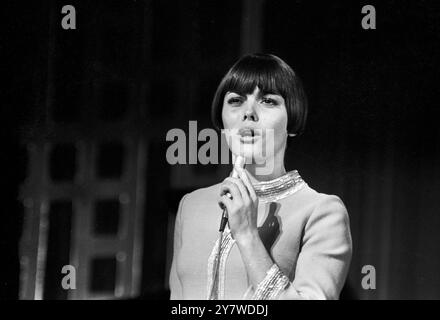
(372, 135)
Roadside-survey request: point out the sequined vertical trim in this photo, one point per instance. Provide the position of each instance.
(218, 283)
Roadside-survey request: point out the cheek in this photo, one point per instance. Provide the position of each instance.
(275, 138)
(280, 128)
(279, 123)
(227, 118)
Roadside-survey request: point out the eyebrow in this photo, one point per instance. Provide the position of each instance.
(260, 94)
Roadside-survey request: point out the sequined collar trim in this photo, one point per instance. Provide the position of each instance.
(279, 188)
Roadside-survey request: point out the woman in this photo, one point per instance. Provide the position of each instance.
(283, 240)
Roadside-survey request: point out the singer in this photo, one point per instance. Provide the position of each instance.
(283, 239)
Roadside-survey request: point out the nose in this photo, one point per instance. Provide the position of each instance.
(250, 113)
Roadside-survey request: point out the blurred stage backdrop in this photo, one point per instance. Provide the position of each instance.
(92, 107)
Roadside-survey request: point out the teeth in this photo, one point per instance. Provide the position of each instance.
(247, 133)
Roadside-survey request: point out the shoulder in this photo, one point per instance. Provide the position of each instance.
(322, 202)
(199, 199)
(328, 219)
(202, 194)
(330, 203)
(313, 202)
(325, 210)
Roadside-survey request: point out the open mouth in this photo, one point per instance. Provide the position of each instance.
(248, 135)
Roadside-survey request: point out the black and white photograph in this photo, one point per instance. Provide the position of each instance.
(233, 150)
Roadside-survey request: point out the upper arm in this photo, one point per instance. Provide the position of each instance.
(325, 255)
(174, 281)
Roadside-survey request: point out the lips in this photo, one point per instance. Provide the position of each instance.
(248, 135)
(247, 132)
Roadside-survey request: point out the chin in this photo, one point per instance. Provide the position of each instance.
(253, 153)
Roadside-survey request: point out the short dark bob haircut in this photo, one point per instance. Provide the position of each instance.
(271, 75)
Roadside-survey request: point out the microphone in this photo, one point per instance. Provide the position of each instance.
(240, 162)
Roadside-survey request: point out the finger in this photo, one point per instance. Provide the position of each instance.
(225, 202)
(243, 190)
(247, 182)
(229, 187)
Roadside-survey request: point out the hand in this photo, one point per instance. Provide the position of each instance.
(243, 207)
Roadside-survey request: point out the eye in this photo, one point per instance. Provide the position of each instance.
(234, 100)
(269, 101)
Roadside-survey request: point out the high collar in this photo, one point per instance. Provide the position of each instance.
(279, 188)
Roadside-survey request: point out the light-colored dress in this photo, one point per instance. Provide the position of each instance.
(306, 233)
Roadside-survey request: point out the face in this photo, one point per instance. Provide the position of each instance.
(255, 125)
